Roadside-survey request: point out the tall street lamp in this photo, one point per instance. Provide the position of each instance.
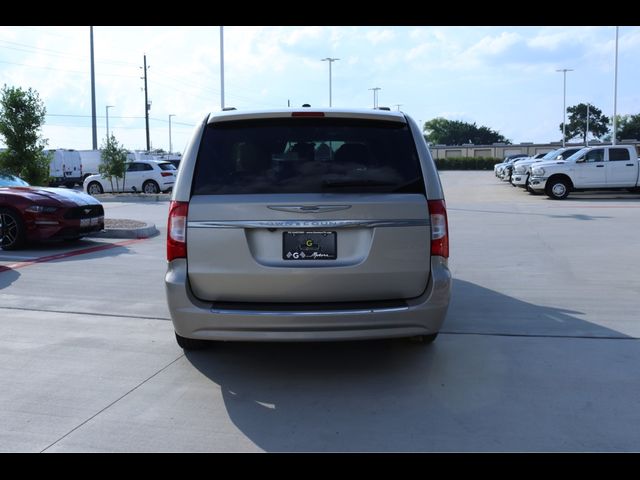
(586, 133)
(221, 67)
(330, 60)
(107, 110)
(170, 145)
(564, 101)
(615, 93)
(375, 96)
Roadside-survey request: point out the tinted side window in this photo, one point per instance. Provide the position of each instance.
(326, 155)
(618, 154)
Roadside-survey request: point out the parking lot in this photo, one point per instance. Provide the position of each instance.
(539, 351)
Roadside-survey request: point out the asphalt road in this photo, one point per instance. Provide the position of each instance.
(539, 351)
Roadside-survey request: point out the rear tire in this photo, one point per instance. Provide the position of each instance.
(12, 231)
(191, 343)
(150, 187)
(424, 339)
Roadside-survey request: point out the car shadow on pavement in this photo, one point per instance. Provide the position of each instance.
(7, 276)
(393, 395)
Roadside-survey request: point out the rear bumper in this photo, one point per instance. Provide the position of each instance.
(195, 319)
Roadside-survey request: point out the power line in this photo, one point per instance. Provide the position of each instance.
(34, 49)
(66, 70)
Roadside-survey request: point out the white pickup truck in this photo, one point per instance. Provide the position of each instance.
(611, 166)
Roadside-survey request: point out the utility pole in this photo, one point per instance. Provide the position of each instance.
(398, 105)
(146, 103)
(221, 68)
(94, 127)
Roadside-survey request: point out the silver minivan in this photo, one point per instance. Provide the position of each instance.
(307, 224)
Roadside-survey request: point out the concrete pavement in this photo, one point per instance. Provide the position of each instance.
(539, 351)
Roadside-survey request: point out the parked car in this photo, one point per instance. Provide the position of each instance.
(307, 224)
(522, 168)
(611, 166)
(30, 214)
(148, 176)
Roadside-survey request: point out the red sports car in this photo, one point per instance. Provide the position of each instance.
(30, 214)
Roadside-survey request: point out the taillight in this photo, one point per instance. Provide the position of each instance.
(439, 228)
(177, 230)
(166, 174)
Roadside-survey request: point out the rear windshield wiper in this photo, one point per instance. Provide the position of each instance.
(355, 183)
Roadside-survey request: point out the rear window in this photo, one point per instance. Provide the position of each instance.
(324, 155)
(167, 166)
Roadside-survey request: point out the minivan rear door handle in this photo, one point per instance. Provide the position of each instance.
(308, 208)
(599, 166)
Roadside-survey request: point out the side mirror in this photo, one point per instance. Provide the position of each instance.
(580, 160)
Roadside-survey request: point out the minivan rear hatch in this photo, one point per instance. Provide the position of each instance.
(308, 209)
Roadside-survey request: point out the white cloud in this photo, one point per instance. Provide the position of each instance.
(380, 36)
(471, 73)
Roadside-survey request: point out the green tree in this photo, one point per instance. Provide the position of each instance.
(628, 127)
(577, 125)
(454, 132)
(113, 161)
(21, 117)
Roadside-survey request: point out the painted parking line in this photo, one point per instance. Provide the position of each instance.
(73, 253)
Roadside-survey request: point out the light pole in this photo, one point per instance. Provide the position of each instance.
(615, 93)
(375, 96)
(398, 105)
(564, 101)
(586, 133)
(170, 146)
(221, 67)
(106, 108)
(330, 60)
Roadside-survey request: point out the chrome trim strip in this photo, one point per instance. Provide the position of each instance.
(288, 313)
(309, 223)
(308, 208)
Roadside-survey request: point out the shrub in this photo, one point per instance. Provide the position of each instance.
(466, 163)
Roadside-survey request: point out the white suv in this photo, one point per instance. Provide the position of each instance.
(147, 176)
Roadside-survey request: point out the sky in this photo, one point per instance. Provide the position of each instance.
(501, 77)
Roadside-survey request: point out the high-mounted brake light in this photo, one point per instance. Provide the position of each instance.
(177, 230)
(307, 114)
(439, 228)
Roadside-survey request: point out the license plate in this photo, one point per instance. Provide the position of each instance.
(312, 245)
(86, 222)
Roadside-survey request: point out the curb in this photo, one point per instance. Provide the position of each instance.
(149, 230)
(133, 197)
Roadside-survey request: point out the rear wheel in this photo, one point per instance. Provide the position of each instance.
(150, 187)
(94, 188)
(12, 231)
(191, 343)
